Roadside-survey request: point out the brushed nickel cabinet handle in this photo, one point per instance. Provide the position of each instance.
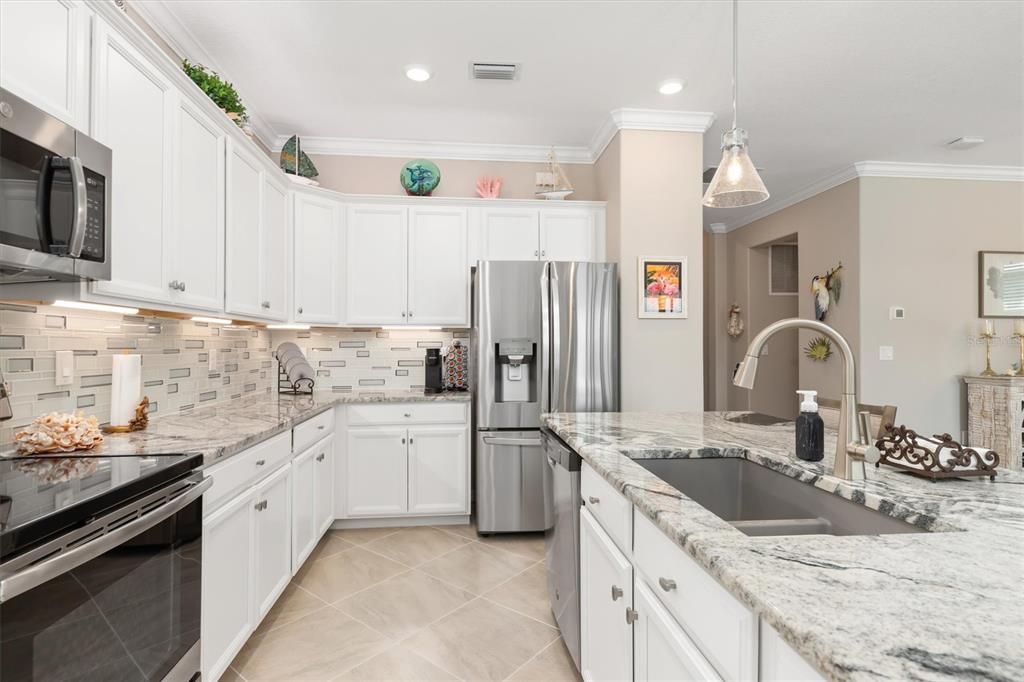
(320, 457)
(631, 615)
(260, 462)
(593, 500)
(616, 593)
(667, 584)
(181, 286)
(403, 441)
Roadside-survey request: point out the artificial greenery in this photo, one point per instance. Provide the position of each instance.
(818, 349)
(220, 91)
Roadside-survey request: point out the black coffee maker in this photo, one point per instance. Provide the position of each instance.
(433, 381)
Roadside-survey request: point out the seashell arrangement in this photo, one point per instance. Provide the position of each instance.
(56, 432)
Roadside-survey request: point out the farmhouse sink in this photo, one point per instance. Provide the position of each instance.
(759, 501)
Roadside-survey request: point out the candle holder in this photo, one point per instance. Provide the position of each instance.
(988, 335)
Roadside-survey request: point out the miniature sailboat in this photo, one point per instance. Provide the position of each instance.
(552, 183)
(296, 165)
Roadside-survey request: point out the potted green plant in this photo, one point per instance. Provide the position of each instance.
(219, 90)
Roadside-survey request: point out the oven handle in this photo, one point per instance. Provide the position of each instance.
(81, 195)
(37, 574)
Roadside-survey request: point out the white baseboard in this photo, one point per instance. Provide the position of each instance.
(399, 521)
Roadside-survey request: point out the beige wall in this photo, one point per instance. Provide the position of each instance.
(826, 228)
(379, 175)
(920, 240)
(652, 183)
(778, 373)
(716, 317)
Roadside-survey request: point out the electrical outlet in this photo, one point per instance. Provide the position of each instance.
(65, 368)
(897, 312)
(885, 353)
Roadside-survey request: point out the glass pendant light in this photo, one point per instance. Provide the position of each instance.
(736, 182)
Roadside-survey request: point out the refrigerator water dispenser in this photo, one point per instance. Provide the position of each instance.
(517, 371)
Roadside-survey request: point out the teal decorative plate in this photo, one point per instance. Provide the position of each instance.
(420, 177)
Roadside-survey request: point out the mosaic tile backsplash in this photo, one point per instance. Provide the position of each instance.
(365, 359)
(176, 360)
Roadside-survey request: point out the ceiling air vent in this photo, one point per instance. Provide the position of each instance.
(492, 71)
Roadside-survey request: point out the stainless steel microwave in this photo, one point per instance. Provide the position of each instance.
(54, 198)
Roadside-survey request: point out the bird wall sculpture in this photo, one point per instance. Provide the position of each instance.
(826, 289)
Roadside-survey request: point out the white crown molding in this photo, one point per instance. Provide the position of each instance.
(464, 151)
(772, 206)
(938, 171)
(161, 18)
(648, 119)
(718, 228)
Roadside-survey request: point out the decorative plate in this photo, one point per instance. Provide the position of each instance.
(420, 177)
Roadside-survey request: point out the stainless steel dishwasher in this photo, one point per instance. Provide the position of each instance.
(562, 541)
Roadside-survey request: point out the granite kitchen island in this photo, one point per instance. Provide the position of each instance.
(945, 604)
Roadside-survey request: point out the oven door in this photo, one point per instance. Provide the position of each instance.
(54, 198)
(118, 599)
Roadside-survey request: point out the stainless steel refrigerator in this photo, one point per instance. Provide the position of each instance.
(545, 339)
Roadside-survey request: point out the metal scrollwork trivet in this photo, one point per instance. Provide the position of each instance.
(937, 457)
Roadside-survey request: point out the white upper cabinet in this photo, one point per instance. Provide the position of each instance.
(317, 259)
(438, 271)
(44, 54)
(197, 240)
(568, 235)
(376, 272)
(510, 234)
(275, 239)
(244, 183)
(133, 107)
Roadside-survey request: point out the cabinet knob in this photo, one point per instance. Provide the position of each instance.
(181, 286)
(407, 414)
(410, 313)
(265, 304)
(543, 253)
(410, 440)
(320, 457)
(616, 593)
(631, 615)
(300, 310)
(258, 506)
(403, 313)
(403, 441)
(536, 253)
(593, 500)
(667, 584)
(260, 462)
(321, 427)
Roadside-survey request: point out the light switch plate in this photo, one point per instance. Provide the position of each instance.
(897, 312)
(885, 353)
(65, 368)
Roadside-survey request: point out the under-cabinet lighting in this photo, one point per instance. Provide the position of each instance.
(300, 327)
(101, 307)
(211, 320)
(412, 327)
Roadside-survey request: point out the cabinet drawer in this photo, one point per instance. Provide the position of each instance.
(611, 509)
(723, 628)
(312, 430)
(407, 413)
(245, 468)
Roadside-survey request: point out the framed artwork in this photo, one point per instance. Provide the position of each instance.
(661, 288)
(1001, 284)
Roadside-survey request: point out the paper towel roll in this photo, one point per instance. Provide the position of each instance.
(125, 389)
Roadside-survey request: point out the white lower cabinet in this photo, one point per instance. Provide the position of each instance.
(323, 485)
(303, 535)
(438, 470)
(272, 539)
(661, 649)
(606, 605)
(228, 585)
(780, 662)
(376, 475)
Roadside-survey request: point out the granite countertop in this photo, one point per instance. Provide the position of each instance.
(226, 429)
(921, 606)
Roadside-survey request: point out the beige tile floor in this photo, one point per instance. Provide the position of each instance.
(428, 603)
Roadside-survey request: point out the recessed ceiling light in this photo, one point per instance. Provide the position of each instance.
(417, 72)
(671, 87)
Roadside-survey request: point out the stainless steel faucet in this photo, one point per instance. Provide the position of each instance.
(852, 446)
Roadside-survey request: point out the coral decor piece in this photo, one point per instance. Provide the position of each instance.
(57, 432)
(488, 187)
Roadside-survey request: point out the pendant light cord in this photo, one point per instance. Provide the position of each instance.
(735, 59)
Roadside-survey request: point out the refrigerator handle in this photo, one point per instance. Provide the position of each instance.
(545, 339)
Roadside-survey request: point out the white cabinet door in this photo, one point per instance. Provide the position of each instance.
(567, 235)
(438, 274)
(606, 592)
(272, 545)
(510, 234)
(244, 279)
(227, 608)
(44, 53)
(303, 484)
(780, 662)
(133, 107)
(376, 474)
(661, 649)
(438, 470)
(275, 238)
(323, 486)
(317, 256)
(197, 240)
(376, 259)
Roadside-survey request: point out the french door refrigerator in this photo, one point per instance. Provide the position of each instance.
(545, 339)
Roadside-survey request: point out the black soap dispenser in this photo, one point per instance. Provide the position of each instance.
(810, 429)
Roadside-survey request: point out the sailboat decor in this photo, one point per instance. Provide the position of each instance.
(552, 183)
(302, 172)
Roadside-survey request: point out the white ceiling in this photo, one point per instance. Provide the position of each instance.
(822, 84)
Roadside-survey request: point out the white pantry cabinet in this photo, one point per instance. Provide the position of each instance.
(133, 110)
(606, 605)
(317, 259)
(44, 53)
